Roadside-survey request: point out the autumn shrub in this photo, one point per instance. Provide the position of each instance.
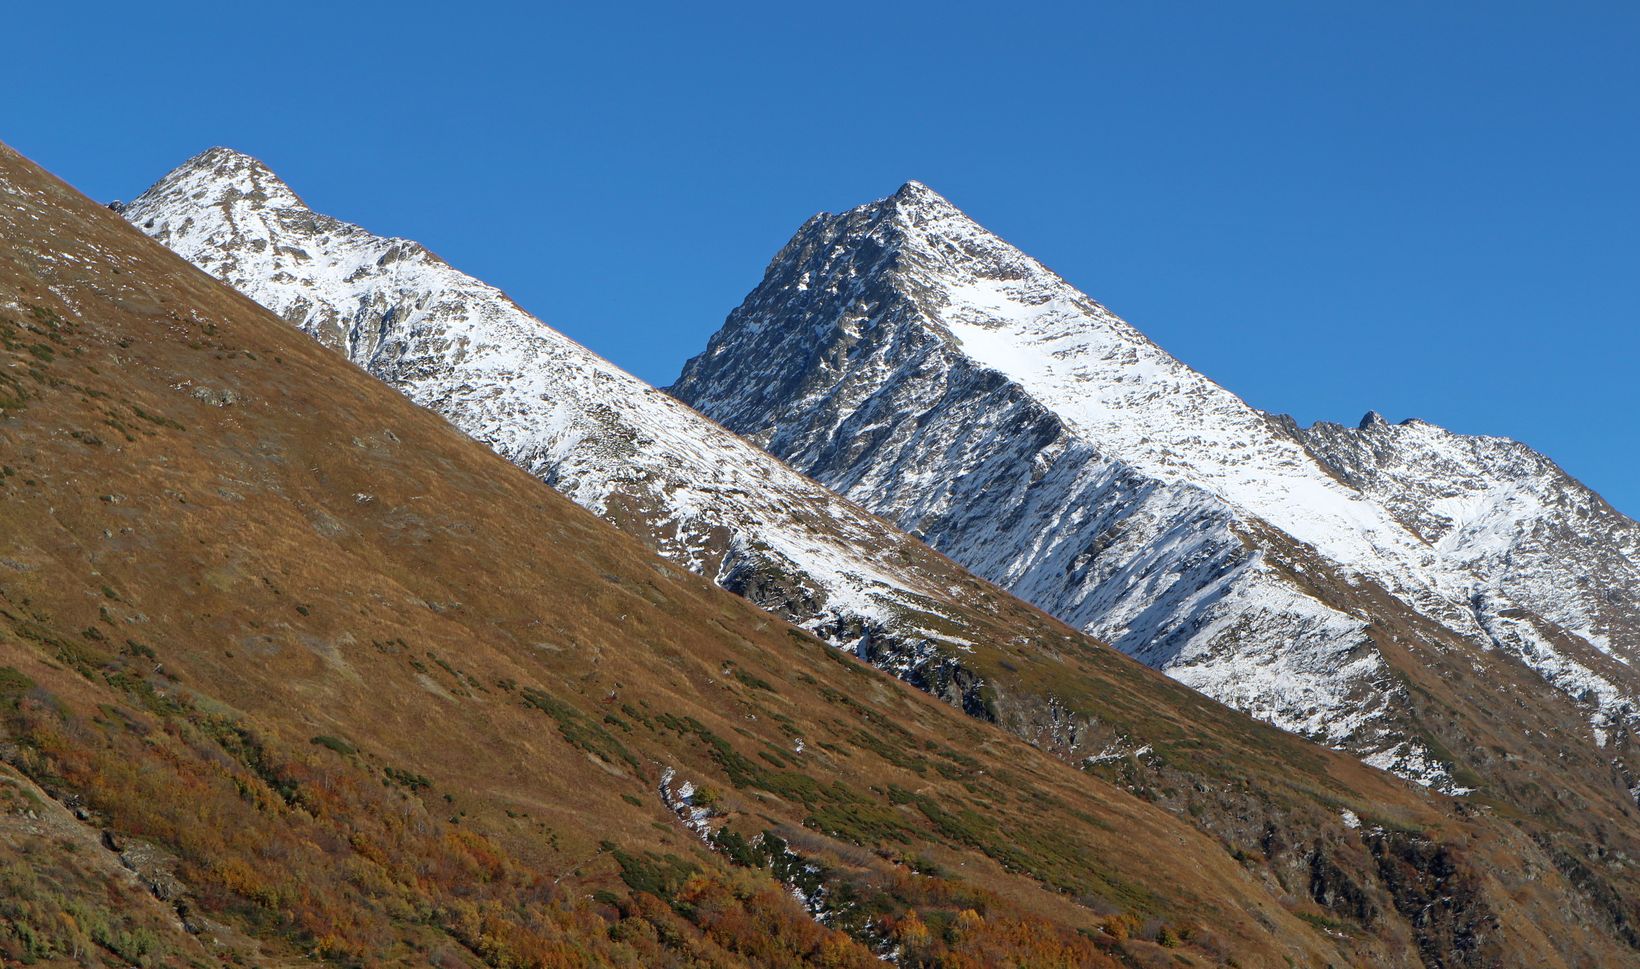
(314, 851)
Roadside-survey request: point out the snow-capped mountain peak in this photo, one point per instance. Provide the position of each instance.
(913, 360)
(219, 170)
(1112, 385)
(915, 193)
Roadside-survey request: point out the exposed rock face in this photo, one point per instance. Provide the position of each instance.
(920, 365)
(1439, 899)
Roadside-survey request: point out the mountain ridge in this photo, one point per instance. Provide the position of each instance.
(307, 676)
(1176, 773)
(955, 305)
(215, 212)
(916, 363)
(398, 311)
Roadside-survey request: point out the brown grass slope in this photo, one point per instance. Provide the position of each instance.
(330, 682)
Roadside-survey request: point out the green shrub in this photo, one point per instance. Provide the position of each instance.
(337, 744)
(13, 685)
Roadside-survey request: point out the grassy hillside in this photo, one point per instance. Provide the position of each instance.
(290, 671)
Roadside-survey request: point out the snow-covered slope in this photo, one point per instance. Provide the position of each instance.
(915, 362)
(700, 495)
(1530, 534)
(1505, 513)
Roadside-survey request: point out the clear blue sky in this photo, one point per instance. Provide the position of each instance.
(1426, 209)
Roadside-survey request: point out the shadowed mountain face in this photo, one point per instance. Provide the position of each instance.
(737, 724)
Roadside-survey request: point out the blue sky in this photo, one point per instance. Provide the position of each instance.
(1426, 209)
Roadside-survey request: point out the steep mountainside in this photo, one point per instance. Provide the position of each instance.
(694, 492)
(1075, 699)
(918, 364)
(292, 672)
